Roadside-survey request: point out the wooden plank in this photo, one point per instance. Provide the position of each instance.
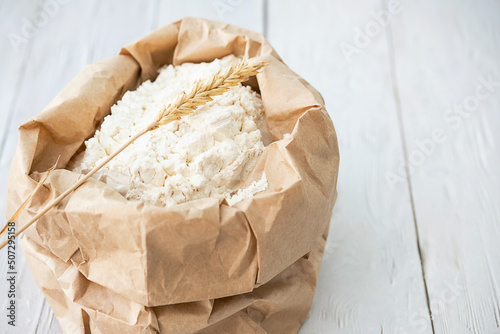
(13, 44)
(244, 13)
(80, 32)
(445, 51)
(371, 279)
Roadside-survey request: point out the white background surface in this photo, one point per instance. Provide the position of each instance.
(415, 253)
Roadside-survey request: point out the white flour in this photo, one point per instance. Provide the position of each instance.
(254, 188)
(206, 154)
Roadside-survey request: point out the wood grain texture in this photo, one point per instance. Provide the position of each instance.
(244, 13)
(29, 299)
(441, 63)
(371, 279)
(70, 39)
(389, 230)
(13, 57)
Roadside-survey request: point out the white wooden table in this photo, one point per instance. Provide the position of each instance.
(414, 92)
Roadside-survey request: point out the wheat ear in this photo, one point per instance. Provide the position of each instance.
(202, 92)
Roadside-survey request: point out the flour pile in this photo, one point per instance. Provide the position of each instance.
(206, 154)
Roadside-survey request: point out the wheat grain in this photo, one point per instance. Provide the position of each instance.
(204, 90)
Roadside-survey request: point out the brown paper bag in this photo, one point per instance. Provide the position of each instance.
(109, 265)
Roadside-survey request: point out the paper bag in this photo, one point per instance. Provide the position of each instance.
(109, 265)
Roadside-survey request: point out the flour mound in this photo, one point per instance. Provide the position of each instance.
(206, 154)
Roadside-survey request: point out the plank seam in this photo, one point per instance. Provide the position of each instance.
(265, 17)
(399, 111)
(156, 15)
(40, 314)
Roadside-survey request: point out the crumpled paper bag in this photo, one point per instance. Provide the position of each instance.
(109, 265)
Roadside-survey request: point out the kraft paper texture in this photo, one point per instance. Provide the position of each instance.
(109, 265)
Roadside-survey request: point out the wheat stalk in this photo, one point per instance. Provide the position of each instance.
(202, 92)
(38, 186)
